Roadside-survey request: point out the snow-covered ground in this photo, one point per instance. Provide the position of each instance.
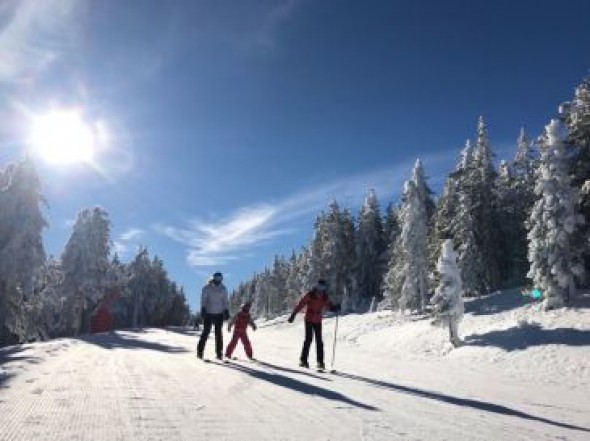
(522, 375)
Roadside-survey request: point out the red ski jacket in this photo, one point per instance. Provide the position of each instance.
(315, 302)
(241, 321)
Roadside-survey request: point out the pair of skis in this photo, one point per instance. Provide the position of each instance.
(227, 360)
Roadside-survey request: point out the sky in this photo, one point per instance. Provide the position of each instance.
(224, 127)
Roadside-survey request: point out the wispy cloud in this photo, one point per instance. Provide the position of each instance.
(220, 242)
(127, 240)
(280, 13)
(32, 35)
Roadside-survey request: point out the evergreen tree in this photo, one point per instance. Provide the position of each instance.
(443, 219)
(576, 115)
(139, 286)
(21, 249)
(391, 231)
(350, 293)
(85, 262)
(369, 249)
(293, 286)
(406, 281)
(464, 224)
(485, 207)
(424, 192)
(448, 298)
(553, 222)
(333, 252)
(508, 223)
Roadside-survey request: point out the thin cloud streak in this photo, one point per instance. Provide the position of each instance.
(218, 243)
(268, 34)
(131, 234)
(34, 35)
(127, 240)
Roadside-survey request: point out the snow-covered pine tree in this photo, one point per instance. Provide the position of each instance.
(448, 297)
(391, 231)
(443, 219)
(370, 245)
(553, 223)
(485, 207)
(526, 159)
(279, 274)
(316, 266)
(426, 199)
(523, 169)
(293, 281)
(406, 282)
(576, 115)
(84, 262)
(333, 251)
(139, 286)
(463, 224)
(508, 224)
(236, 298)
(21, 249)
(424, 192)
(349, 297)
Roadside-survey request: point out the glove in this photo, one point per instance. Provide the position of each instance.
(336, 308)
(254, 327)
(226, 315)
(203, 312)
(228, 328)
(291, 318)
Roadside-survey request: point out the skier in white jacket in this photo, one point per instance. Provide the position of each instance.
(214, 310)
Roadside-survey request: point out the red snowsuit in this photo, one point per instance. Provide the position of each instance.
(240, 321)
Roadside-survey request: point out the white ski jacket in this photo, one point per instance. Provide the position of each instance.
(214, 298)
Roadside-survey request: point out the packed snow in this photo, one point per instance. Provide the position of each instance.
(521, 374)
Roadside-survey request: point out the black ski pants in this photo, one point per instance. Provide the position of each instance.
(209, 320)
(310, 330)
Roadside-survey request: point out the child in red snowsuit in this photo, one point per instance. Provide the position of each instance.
(240, 322)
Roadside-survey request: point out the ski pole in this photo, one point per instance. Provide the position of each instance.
(334, 345)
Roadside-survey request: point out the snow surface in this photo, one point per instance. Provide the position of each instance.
(398, 379)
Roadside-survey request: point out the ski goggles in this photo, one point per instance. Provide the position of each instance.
(217, 277)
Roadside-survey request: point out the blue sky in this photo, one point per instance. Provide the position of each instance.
(230, 124)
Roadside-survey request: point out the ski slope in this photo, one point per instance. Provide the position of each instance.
(522, 375)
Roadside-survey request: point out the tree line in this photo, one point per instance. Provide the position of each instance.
(523, 222)
(43, 297)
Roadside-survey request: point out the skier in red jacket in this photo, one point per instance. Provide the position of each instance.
(315, 301)
(240, 322)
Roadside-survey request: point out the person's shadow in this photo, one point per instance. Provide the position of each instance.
(297, 385)
(465, 402)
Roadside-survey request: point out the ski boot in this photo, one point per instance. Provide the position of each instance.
(303, 364)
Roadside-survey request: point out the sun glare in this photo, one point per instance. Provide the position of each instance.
(62, 137)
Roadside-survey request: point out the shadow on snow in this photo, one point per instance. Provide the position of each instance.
(10, 355)
(496, 303)
(522, 337)
(298, 386)
(291, 371)
(115, 340)
(465, 402)
(189, 332)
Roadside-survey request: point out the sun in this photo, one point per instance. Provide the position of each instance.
(62, 137)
